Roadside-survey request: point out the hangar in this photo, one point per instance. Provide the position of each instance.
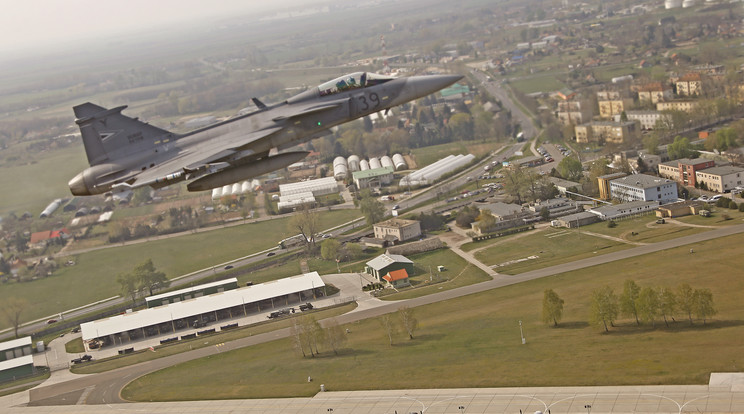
(197, 312)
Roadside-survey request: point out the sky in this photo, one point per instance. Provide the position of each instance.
(41, 24)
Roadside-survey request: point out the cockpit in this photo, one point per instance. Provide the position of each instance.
(352, 81)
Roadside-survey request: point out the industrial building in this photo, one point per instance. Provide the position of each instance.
(304, 192)
(220, 307)
(616, 211)
(191, 292)
(429, 174)
(373, 178)
(16, 360)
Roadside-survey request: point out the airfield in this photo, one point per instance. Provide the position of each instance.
(102, 392)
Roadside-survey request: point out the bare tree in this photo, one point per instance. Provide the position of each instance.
(12, 308)
(306, 222)
(408, 320)
(295, 331)
(389, 326)
(334, 335)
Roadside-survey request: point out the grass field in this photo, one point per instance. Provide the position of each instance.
(538, 83)
(642, 229)
(32, 187)
(474, 341)
(94, 276)
(428, 155)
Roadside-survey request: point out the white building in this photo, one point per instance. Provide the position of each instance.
(641, 187)
(616, 211)
(648, 119)
(720, 179)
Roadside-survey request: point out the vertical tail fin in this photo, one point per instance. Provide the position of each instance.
(108, 134)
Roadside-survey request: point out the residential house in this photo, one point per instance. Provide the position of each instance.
(654, 92)
(573, 112)
(397, 278)
(682, 105)
(607, 131)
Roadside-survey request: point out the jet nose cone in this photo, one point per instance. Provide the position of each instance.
(425, 85)
(77, 186)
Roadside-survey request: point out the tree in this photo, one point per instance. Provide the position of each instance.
(128, 283)
(686, 300)
(703, 304)
(667, 303)
(408, 320)
(12, 308)
(681, 148)
(372, 208)
(552, 310)
(329, 249)
(388, 326)
(334, 335)
(649, 305)
(306, 222)
(629, 300)
(604, 307)
(570, 168)
(149, 278)
(295, 332)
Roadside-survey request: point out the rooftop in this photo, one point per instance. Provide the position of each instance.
(641, 180)
(399, 274)
(384, 260)
(723, 170)
(396, 222)
(15, 343)
(374, 172)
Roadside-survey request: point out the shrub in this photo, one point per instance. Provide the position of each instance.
(611, 224)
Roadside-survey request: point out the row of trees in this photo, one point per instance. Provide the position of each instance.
(646, 304)
(308, 335)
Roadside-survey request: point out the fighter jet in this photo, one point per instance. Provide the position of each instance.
(125, 153)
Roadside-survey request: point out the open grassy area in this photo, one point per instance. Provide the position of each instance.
(474, 341)
(427, 280)
(119, 361)
(545, 248)
(642, 229)
(538, 83)
(94, 276)
(428, 155)
(75, 346)
(32, 187)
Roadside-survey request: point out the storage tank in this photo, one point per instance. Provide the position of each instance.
(245, 187)
(688, 3)
(400, 162)
(235, 189)
(255, 185)
(339, 172)
(363, 165)
(353, 163)
(51, 208)
(339, 161)
(374, 162)
(226, 190)
(216, 193)
(387, 162)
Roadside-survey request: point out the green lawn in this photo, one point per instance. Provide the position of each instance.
(643, 229)
(94, 275)
(538, 83)
(545, 248)
(474, 341)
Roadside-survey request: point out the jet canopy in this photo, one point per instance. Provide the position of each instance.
(352, 81)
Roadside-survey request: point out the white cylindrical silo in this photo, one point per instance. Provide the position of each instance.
(235, 189)
(255, 184)
(353, 163)
(339, 161)
(339, 172)
(387, 162)
(672, 4)
(363, 165)
(216, 193)
(688, 3)
(400, 162)
(226, 190)
(374, 162)
(245, 187)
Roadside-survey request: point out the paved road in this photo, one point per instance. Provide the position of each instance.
(104, 388)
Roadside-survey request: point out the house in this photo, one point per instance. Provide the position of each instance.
(16, 360)
(402, 230)
(607, 131)
(573, 112)
(384, 263)
(720, 179)
(611, 103)
(42, 238)
(682, 208)
(397, 278)
(647, 119)
(641, 187)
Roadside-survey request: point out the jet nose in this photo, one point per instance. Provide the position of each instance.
(425, 85)
(77, 186)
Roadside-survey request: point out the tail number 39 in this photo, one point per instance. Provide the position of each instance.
(371, 102)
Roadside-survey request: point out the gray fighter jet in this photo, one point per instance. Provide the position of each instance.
(125, 153)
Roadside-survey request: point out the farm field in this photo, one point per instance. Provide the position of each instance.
(474, 341)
